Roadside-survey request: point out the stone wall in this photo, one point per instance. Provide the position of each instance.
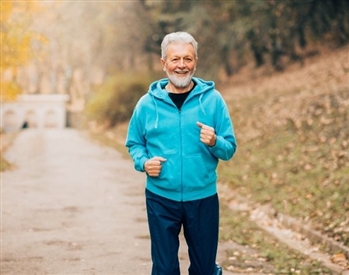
(34, 111)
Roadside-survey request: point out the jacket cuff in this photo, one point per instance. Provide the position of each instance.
(140, 164)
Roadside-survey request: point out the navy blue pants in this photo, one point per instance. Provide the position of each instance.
(200, 221)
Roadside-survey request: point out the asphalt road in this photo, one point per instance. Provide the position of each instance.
(72, 206)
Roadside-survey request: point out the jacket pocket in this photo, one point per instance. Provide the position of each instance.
(195, 173)
(170, 175)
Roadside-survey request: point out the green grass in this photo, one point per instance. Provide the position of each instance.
(299, 166)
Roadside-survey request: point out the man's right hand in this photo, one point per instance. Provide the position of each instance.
(153, 166)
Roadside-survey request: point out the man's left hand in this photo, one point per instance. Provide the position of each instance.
(207, 134)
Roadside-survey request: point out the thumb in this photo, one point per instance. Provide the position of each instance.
(161, 159)
(199, 124)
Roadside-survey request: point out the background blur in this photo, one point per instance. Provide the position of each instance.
(97, 52)
(282, 67)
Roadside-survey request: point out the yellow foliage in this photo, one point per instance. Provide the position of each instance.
(15, 36)
(6, 8)
(16, 40)
(9, 91)
(15, 47)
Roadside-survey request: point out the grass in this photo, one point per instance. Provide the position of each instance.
(4, 164)
(294, 144)
(6, 141)
(261, 252)
(302, 177)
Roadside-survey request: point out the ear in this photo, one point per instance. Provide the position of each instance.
(163, 63)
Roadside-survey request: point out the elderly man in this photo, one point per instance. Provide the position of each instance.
(178, 132)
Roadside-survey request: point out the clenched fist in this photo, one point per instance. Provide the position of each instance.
(207, 134)
(153, 166)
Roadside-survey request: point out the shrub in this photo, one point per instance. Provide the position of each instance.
(113, 101)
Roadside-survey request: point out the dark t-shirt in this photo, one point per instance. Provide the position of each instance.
(178, 99)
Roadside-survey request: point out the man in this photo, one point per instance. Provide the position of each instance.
(178, 132)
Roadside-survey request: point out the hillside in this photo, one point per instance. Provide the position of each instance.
(293, 134)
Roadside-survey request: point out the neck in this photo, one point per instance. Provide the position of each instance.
(176, 90)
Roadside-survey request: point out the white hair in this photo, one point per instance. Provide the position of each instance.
(175, 37)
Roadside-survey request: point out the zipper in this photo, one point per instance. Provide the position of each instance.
(181, 150)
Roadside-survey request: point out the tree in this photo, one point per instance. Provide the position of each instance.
(16, 37)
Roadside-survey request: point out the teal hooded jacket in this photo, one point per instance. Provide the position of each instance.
(158, 128)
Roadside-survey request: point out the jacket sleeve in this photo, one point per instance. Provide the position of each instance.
(135, 142)
(226, 144)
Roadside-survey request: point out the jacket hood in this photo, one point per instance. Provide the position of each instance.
(157, 88)
(157, 91)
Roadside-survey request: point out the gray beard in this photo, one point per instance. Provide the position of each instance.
(180, 82)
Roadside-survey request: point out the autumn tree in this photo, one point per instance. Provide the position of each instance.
(16, 38)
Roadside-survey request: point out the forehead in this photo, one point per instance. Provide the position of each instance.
(180, 49)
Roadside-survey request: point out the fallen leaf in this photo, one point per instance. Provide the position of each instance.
(339, 259)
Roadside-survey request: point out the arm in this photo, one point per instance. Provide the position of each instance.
(136, 143)
(221, 139)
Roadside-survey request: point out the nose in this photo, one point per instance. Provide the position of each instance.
(181, 63)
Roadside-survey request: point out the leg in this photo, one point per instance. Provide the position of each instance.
(164, 219)
(201, 226)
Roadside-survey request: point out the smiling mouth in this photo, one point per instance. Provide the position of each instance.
(181, 72)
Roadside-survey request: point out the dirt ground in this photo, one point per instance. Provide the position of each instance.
(72, 206)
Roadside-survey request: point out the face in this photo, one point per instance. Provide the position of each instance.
(180, 64)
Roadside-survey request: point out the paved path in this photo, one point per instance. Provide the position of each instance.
(72, 207)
